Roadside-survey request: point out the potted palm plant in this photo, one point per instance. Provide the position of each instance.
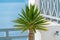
(31, 20)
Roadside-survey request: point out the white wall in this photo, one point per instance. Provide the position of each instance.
(37, 35)
(31, 2)
(50, 33)
(52, 28)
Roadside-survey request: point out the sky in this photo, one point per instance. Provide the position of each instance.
(9, 10)
(12, 0)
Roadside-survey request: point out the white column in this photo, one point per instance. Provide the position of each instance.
(37, 34)
(31, 2)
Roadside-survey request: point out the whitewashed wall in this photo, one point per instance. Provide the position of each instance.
(37, 35)
(50, 34)
(52, 28)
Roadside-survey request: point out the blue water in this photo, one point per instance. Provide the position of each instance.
(9, 10)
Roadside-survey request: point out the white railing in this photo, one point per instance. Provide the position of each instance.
(7, 37)
(51, 9)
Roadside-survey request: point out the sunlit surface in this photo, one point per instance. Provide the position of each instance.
(51, 10)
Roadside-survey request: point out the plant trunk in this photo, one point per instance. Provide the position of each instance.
(31, 35)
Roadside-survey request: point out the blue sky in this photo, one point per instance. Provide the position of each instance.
(13, 0)
(9, 11)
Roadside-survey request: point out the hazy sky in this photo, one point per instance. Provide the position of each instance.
(9, 10)
(12, 0)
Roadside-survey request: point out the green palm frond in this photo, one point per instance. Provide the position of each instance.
(30, 19)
